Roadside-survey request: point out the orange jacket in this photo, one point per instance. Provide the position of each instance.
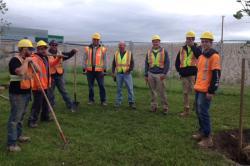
(205, 66)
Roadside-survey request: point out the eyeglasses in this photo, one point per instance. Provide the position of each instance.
(53, 45)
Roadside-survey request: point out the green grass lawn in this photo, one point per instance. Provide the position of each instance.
(102, 136)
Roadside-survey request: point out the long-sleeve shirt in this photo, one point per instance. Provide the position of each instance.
(131, 66)
(67, 55)
(85, 57)
(155, 69)
(190, 70)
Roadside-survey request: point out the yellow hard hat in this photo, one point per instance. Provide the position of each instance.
(96, 36)
(156, 37)
(190, 34)
(41, 43)
(25, 43)
(207, 35)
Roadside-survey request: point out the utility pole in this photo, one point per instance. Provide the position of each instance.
(222, 36)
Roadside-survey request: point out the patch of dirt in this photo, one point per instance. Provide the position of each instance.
(227, 143)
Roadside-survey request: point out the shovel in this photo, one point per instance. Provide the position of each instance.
(75, 102)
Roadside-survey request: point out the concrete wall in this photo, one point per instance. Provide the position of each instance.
(231, 61)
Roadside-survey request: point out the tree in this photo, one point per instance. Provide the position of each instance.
(245, 11)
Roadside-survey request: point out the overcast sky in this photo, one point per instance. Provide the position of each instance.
(134, 20)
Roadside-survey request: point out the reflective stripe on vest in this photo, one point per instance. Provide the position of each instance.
(59, 67)
(25, 80)
(122, 64)
(99, 58)
(158, 60)
(187, 58)
(43, 75)
(204, 77)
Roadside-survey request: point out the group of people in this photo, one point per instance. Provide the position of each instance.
(198, 66)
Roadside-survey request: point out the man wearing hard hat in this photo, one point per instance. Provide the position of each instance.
(41, 60)
(19, 93)
(95, 65)
(185, 64)
(156, 69)
(207, 82)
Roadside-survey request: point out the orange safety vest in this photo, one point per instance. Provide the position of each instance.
(43, 76)
(122, 64)
(26, 79)
(99, 60)
(158, 60)
(205, 67)
(187, 58)
(57, 68)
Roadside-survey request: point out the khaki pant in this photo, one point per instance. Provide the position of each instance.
(188, 84)
(157, 87)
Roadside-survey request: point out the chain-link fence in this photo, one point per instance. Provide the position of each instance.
(231, 59)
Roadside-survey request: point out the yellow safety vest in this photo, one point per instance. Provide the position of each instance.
(158, 60)
(187, 58)
(122, 64)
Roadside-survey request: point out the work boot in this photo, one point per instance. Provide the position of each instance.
(23, 139)
(14, 148)
(153, 109)
(206, 142)
(197, 136)
(33, 125)
(104, 103)
(185, 113)
(91, 102)
(132, 105)
(165, 111)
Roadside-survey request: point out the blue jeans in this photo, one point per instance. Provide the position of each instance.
(99, 77)
(58, 81)
(18, 104)
(202, 111)
(127, 78)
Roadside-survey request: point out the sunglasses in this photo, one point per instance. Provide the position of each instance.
(205, 41)
(53, 45)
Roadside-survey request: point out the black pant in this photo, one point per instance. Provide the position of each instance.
(39, 103)
(99, 76)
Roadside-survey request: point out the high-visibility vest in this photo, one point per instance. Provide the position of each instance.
(99, 58)
(205, 67)
(42, 74)
(158, 60)
(26, 79)
(122, 63)
(57, 68)
(187, 58)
